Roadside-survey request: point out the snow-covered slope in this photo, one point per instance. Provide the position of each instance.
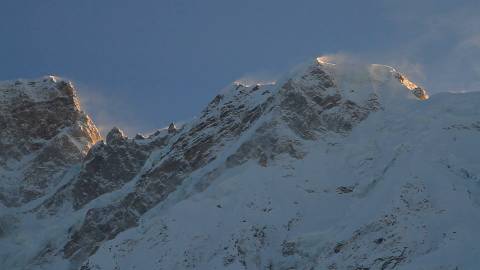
(331, 167)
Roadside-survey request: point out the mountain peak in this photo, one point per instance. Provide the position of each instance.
(376, 77)
(115, 135)
(44, 131)
(37, 90)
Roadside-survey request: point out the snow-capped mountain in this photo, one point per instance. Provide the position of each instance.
(331, 167)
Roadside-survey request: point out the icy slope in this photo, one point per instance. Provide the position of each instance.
(332, 167)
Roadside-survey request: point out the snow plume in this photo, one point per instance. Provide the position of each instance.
(107, 111)
(350, 66)
(347, 63)
(446, 40)
(354, 73)
(260, 78)
(344, 58)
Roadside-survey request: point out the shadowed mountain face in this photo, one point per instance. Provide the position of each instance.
(326, 169)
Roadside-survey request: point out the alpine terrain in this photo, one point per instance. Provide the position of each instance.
(331, 167)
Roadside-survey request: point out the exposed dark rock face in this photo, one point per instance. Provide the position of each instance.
(265, 146)
(107, 168)
(310, 109)
(44, 132)
(310, 106)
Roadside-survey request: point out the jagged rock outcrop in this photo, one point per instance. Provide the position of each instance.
(115, 136)
(107, 167)
(172, 128)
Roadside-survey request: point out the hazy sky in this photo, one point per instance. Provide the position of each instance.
(142, 64)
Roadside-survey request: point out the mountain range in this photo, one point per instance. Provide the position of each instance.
(331, 167)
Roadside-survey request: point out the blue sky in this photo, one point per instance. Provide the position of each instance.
(142, 64)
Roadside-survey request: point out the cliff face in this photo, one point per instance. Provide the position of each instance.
(43, 133)
(329, 168)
